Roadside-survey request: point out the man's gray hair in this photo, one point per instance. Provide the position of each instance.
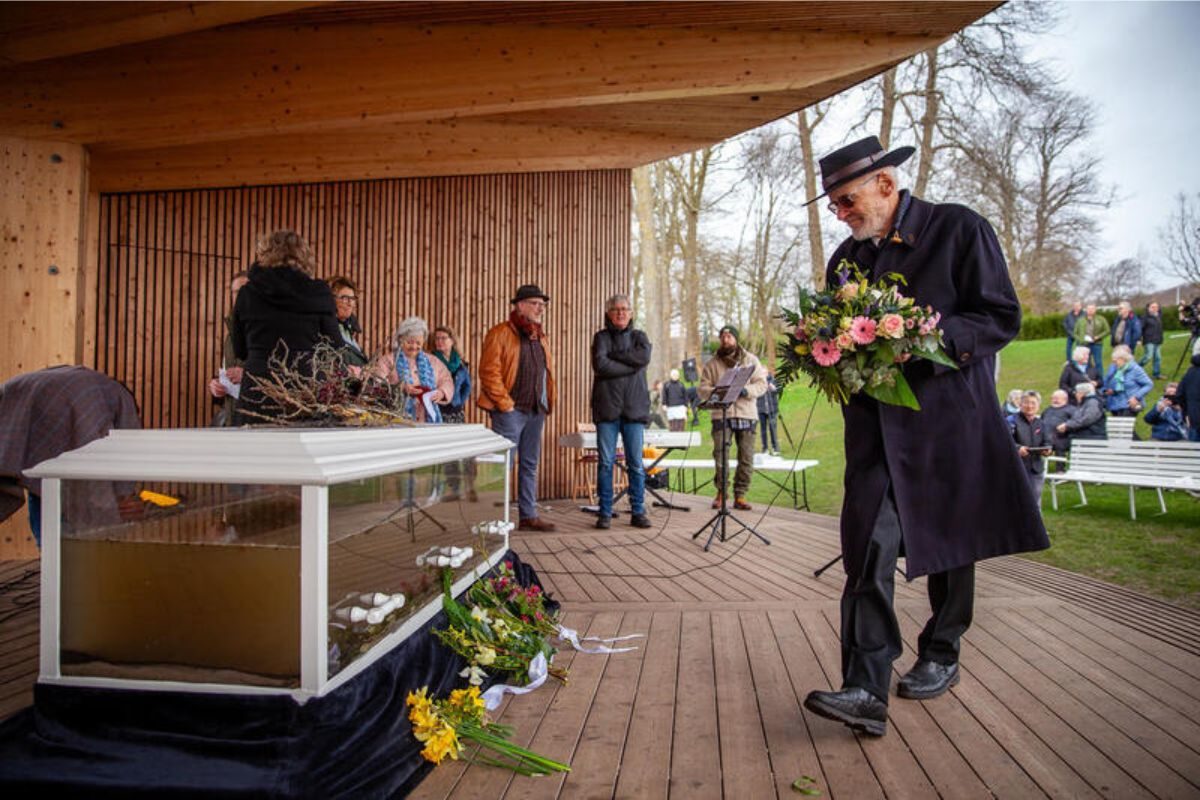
(410, 328)
(1087, 389)
(611, 302)
(1034, 394)
(1124, 306)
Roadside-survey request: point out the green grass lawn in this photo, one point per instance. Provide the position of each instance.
(1157, 554)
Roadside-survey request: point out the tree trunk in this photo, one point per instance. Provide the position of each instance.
(816, 247)
(928, 122)
(887, 108)
(652, 309)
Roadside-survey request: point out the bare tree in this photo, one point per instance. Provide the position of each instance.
(805, 125)
(652, 305)
(1113, 283)
(1181, 238)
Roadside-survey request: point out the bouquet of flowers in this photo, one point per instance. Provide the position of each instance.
(443, 725)
(505, 628)
(853, 337)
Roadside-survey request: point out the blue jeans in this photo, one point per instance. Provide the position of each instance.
(1070, 346)
(35, 516)
(606, 443)
(524, 429)
(1097, 357)
(1153, 351)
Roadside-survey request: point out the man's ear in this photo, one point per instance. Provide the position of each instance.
(887, 185)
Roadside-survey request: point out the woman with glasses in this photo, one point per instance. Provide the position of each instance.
(425, 379)
(345, 297)
(445, 349)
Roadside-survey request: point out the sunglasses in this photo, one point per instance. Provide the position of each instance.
(847, 201)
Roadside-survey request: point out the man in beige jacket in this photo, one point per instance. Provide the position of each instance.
(740, 417)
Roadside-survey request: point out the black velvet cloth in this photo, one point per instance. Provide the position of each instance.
(355, 742)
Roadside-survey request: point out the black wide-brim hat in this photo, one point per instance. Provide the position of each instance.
(855, 160)
(528, 292)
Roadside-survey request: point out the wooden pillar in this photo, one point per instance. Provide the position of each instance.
(43, 237)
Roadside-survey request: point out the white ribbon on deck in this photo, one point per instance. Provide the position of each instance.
(572, 636)
(539, 668)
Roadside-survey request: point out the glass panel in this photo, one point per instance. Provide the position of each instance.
(199, 583)
(377, 529)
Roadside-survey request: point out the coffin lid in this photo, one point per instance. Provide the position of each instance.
(317, 456)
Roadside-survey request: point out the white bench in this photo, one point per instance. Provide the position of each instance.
(1120, 429)
(763, 465)
(1138, 465)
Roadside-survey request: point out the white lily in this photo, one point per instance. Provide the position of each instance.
(474, 675)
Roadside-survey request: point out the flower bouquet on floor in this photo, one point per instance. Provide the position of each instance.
(854, 336)
(443, 725)
(504, 629)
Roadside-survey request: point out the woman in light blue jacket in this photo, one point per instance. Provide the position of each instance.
(1126, 384)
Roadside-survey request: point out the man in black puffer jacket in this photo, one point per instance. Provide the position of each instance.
(620, 405)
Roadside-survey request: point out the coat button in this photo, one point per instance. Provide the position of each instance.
(964, 357)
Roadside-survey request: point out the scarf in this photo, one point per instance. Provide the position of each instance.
(424, 378)
(453, 363)
(1081, 367)
(1119, 378)
(530, 330)
(730, 357)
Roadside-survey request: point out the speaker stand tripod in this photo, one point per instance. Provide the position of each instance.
(719, 521)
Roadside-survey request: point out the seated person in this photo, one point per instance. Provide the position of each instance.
(1076, 370)
(1088, 421)
(1012, 406)
(1060, 411)
(1125, 384)
(1166, 417)
(1032, 438)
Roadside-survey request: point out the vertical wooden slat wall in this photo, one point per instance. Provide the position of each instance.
(451, 250)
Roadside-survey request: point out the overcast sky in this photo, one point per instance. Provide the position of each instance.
(1140, 63)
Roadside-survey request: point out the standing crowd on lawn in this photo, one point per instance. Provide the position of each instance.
(1088, 394)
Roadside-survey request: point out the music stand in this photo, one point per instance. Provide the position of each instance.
(411, 508)
(725, 394)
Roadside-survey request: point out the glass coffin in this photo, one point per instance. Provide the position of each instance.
(270, 560)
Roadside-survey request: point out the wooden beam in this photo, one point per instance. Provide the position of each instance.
(245, 83)
(38, 31)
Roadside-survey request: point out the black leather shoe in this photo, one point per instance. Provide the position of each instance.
(927, 679)
(856, 708)
(603, 522)
(640, 521)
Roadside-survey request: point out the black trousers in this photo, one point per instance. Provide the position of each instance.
(870, 633)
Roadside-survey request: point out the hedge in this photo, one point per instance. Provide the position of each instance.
(1050, 326)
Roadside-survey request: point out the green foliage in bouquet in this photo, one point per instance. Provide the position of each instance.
(854, 336)
(503, 629)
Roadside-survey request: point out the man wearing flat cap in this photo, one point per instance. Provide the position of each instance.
(740, 418)
(516, 387)
(942, 486)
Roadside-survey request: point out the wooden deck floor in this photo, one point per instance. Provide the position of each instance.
(1071, 687)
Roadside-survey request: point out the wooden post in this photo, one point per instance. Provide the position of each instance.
(43, 214)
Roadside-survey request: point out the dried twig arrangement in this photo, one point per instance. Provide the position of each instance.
(321, 390)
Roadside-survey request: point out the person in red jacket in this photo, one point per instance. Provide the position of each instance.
(516, 388)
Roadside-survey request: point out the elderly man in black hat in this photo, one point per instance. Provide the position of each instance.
(943, 485)
(516, 386)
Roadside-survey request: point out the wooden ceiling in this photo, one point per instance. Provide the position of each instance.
(182, 95)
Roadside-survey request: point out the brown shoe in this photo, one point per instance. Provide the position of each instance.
(535, 524)
(717, 501)
(741, 505)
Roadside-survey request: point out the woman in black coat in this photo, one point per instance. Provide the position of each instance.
(282, 311)
(1077, 371)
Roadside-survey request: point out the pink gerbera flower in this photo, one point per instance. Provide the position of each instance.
(826, 353)
(862, 330)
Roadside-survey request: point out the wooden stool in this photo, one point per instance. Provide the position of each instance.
(583, 483)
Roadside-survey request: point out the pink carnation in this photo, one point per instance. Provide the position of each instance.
(892, 326)
(930, 324)
(862, 330)
(910, 323)
(826, 353)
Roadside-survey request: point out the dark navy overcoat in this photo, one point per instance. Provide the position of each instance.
(956, 477)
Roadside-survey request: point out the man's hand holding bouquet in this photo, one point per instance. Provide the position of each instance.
(854, 336)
